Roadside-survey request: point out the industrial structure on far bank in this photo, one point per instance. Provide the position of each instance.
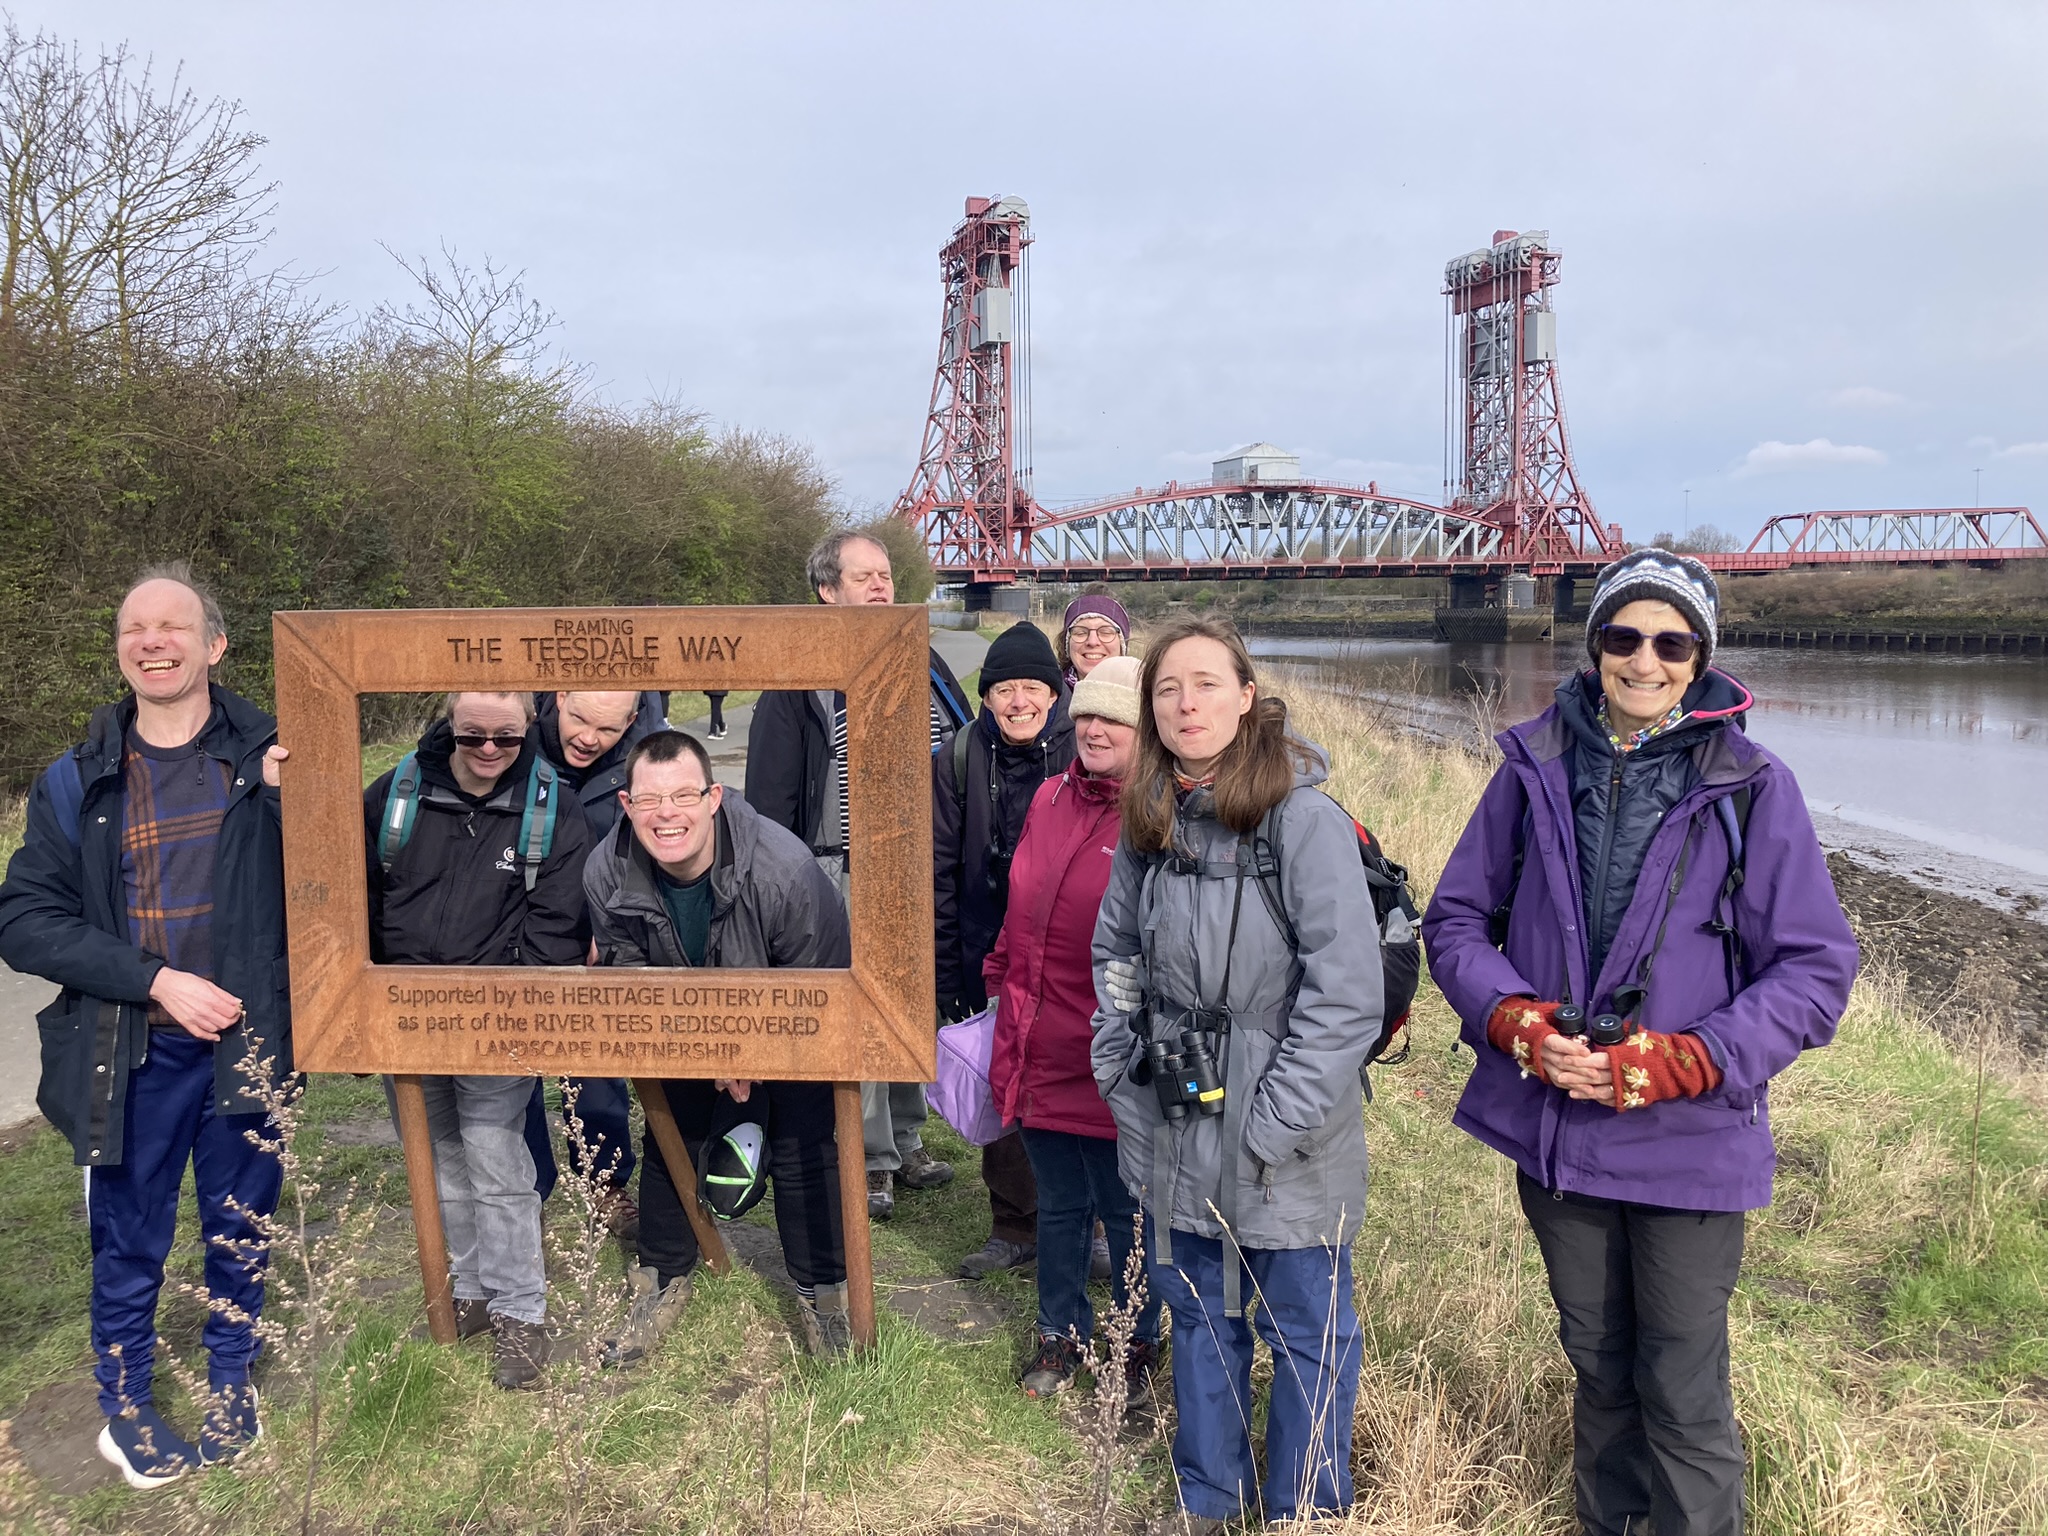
(1516, 506)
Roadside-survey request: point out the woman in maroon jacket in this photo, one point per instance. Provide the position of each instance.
(1042, 976)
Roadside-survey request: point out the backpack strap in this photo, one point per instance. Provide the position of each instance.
(1732, 811)
(401, 809)
(960, 745)
(537, 821)
(954, 709)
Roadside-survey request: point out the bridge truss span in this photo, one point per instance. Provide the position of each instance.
(1309, 529)
(1933, 535)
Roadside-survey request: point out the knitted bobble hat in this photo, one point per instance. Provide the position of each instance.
(1110, 691)
(1658, 576)
(1021, 651)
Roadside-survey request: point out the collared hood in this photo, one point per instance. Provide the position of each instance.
(1055, 738)
(1714, 700)
(234, 730)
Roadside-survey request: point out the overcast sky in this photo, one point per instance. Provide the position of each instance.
(1803, 243)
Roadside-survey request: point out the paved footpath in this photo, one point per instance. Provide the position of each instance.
(22, 996)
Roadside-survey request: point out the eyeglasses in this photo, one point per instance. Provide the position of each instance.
(502, 743)
(1102, 632)
(1669, 644)
(685, 799)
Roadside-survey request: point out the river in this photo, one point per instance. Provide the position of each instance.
(1934, 767)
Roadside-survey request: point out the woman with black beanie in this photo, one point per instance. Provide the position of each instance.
(983, 778)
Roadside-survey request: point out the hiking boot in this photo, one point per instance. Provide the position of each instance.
(518, 1352)
(472, 1317)
(620, 1213)
(921, 1170)
(148, 1451)
(828, 1327)
(651, 1310)
(1141, 1364)
(1053, 1370)
(997, 1253)
(881, 1196)
(230, 1426)
(1099, 1265)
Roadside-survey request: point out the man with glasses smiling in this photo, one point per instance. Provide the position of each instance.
(456, 886)
(694, 876)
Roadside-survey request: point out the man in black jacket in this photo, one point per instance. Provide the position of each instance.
(693, 877)
(796, 777)
(150, 887)
(587, 735)
(462, 873)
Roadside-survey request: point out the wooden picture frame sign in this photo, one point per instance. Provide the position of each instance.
(872, 1022)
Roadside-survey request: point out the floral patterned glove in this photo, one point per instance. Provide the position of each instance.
(1518, 1027)
(1649, 1067)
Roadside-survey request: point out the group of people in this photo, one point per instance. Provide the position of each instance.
(1137, 867)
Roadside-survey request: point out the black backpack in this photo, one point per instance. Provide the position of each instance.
(1392, 908)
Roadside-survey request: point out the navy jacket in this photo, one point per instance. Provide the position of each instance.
(64, 916)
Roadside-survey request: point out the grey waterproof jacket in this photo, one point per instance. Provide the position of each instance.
(770, 903)
(1284, 1165)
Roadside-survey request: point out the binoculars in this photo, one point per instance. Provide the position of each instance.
(1606, 1031)
(1184, 1078)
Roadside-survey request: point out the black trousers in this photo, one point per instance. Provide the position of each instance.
(803, 1162)
(1642, 1303)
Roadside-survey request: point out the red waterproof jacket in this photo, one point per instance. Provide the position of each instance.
(1042, 971)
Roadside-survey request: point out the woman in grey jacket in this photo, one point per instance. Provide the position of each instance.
(1238, 989)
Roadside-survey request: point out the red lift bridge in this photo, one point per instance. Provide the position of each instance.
(1517, 505)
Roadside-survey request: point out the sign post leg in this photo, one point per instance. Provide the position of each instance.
(426, 1207)
(662, 1121)
(853, 1199)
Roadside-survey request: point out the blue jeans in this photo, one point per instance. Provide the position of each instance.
(1077, 1182)
(1300, 1301)
(132, 1209)
(602, 1104)
(483, 1173)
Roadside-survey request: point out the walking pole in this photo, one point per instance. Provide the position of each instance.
(418, 1143)
(662, 1121)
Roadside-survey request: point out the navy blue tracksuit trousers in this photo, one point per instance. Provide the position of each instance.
(133, 1211)
(602, 1104)
(1299, 1299)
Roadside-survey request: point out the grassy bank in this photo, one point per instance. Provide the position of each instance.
(1891, 1334)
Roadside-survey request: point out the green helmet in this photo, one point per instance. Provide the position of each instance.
(736, 1172)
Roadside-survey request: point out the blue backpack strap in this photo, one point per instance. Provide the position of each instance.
(67, 794)
(401, 810)
(955, 709)
(537, 821)
(1732, 811)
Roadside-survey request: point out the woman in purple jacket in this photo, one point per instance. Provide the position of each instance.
(1638, 931)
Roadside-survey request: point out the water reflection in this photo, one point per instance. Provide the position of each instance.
(1912, 752)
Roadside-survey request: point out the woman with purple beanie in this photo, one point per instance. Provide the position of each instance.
(1638, 931)
(1095, 628)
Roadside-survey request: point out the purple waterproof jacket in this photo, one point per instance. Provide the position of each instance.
(1713, 1153)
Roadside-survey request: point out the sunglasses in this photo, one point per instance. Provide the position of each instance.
(502, 743)
(1669, 644)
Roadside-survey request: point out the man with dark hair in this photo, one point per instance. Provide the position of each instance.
(796, 777)
(694, 877)
(463, 871)
(150, 887)
(586, 735)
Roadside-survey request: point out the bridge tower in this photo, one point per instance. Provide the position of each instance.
(1511, 457)
(971, 492)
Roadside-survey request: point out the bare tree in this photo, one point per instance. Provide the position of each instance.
(129, 210)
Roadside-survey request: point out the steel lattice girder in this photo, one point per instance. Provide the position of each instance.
(1963, 531)
(1295, 526)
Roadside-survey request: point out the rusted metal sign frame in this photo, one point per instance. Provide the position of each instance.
(872, 1022)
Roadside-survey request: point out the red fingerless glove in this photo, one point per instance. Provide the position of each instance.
(1649, 1067)
(1518, 1028)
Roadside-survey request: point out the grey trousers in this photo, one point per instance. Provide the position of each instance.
(892, 1117)
(483, 1172)
(1642, 1303)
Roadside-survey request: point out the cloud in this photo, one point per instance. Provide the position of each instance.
(2023, 451)
(1866, 397)
(1777, 458)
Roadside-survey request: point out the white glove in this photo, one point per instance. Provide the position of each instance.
(1124, 984)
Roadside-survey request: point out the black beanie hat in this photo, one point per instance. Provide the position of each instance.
(1021, 651)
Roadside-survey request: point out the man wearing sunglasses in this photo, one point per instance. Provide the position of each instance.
(694, 876)
(456, 892)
